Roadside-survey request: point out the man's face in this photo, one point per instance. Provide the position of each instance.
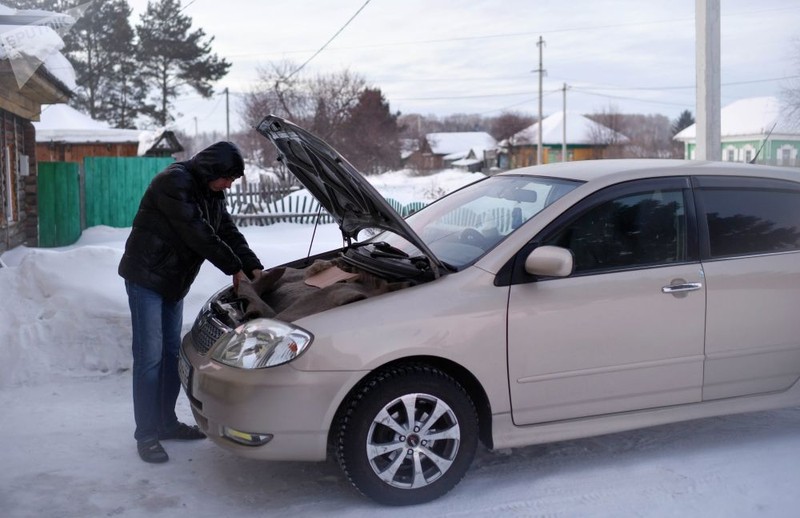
(221, 184)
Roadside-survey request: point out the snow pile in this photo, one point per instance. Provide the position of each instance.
(65, 317)
(404, 187)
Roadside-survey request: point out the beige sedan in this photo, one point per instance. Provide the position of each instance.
(540, 304)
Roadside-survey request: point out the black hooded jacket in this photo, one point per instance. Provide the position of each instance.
(181, 222)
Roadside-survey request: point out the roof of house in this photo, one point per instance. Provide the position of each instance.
(580, 130)
(63, 123)
(753, 116)
(29, 43)
(455, 145)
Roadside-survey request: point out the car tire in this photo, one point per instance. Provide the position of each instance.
(396, 462)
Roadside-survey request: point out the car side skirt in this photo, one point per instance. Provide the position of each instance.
(505, 434)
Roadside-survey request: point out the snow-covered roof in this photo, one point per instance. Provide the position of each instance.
(466, 162)
(753, 116)
(457, 145)
(62, 123)
(30, 39)
(580, 130)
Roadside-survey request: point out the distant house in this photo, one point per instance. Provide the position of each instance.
(32, 73)
(585, 140)
(752, 126)
(453, 149)
(66, 135)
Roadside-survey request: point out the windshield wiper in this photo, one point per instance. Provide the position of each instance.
(386, 248)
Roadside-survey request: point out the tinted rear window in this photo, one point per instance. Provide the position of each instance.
(751, 217)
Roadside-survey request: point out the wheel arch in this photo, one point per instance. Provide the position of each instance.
(458, 372)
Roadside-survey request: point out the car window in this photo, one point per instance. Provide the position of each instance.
(461, 227)
(751, 219)
(642, 229)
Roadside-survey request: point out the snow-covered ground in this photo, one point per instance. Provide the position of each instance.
(66, 428)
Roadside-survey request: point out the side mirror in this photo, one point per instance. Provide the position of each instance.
(550, 261)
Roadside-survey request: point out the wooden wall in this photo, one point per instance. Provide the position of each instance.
(64, 152)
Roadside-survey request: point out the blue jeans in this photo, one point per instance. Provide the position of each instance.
(156, 327)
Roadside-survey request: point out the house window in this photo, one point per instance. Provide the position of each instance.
(731, 154)
(786, 155)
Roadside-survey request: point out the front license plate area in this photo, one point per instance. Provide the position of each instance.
(185, 373)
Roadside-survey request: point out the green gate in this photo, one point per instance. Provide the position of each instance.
(59, 203)
(114, 187)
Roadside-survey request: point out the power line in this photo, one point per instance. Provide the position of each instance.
(584, 28)
(623, 98)
(690, 87)
(330, 40)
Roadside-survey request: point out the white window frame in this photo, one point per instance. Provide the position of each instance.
(744, 150)
(792, 154)
(729, 151)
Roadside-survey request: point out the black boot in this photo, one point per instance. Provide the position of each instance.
(152, 451)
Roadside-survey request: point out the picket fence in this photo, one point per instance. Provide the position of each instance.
(261, 204)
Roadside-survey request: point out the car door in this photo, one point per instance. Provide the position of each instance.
(750, 230)
(624, 331)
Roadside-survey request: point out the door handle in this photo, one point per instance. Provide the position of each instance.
(681, 288)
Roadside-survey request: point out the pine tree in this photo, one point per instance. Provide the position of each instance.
(100, 47)
(371, 135)
(171, 57)
(684, 120)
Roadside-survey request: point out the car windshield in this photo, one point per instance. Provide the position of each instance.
(464, 225)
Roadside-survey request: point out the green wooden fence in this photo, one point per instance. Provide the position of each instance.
(112, 190)
(59, 203)
(114, 187)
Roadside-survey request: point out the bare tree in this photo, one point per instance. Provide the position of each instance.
(650, 136)
(508, 124)
(320, 104)
(608, 136)
(790, 95)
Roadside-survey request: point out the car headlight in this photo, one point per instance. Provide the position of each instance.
(261, 343)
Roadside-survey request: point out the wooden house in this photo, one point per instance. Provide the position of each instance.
(585, 139)
(440, 150)
(753, 128)
(66, 135)
(26, 83)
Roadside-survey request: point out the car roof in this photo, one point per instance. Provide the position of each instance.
(611, 170)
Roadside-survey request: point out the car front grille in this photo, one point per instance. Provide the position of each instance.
(206, 332)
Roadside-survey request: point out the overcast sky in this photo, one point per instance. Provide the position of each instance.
(465, 56)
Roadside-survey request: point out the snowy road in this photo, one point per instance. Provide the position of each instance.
(66, 451)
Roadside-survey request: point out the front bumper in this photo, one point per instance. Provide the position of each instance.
(294, 407)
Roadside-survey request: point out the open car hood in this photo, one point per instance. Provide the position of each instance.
(337, 185)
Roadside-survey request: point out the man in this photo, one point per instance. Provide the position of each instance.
(182, 221)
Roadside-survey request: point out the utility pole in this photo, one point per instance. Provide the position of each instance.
(564, 128)
(709, 124)
(540, 44)
(227, 116)
(195, 127)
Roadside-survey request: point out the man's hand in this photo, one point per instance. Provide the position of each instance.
(237, 278)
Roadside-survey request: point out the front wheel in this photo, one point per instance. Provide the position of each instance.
(408, 435)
